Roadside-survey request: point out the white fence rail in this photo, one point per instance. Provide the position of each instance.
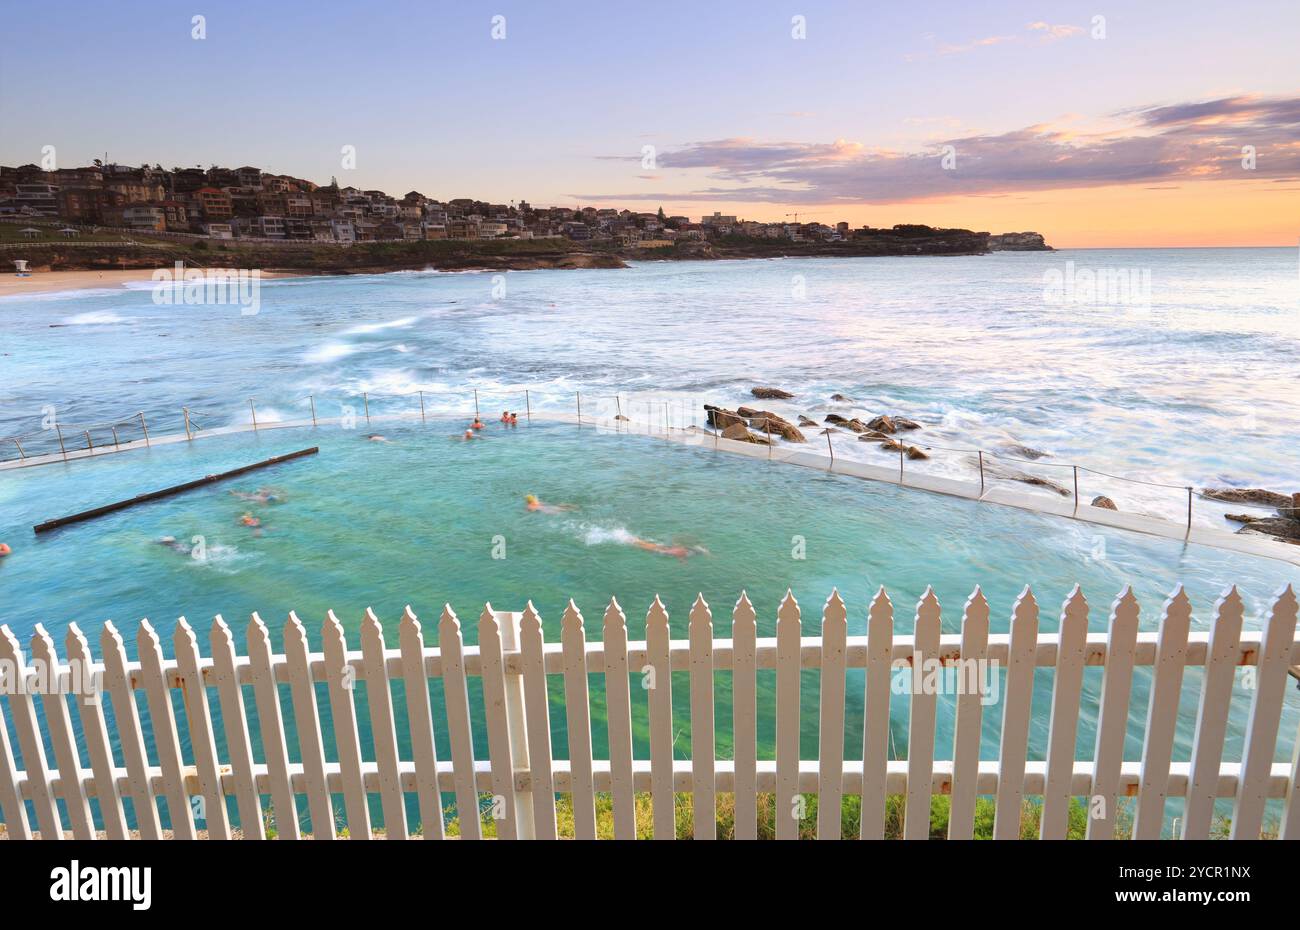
(178, 761)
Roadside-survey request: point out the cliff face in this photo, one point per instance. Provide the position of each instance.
(1018, 242)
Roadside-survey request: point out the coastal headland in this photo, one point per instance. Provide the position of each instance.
(143, 253)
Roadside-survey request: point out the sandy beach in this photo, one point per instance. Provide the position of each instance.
(47, 282)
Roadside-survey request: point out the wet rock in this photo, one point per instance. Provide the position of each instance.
(765, 421)
(994, 470)
(914, 453)
(1243, 517)
(857, 426)
(1277, 527)
(835, 418)
(620, 417)
(884, 423)
(904, 423)
(721, 419)
(840, 398)
(806, 421)
(740, 432)
(892, 445)
(1248, 496)
(770, 393)
(1104, 502)
(1024, 452)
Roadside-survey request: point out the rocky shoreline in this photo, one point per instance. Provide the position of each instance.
(504, 254)
(750, 424)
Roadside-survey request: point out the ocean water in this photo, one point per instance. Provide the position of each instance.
(1198, 389)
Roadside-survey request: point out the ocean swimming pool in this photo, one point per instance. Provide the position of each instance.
(425, 519)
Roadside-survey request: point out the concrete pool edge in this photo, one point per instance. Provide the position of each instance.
(1260, 546)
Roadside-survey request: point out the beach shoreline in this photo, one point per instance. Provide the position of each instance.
(53, 282)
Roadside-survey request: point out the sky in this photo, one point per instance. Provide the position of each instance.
(1098, 124)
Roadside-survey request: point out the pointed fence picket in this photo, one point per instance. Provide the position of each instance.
(58, 755)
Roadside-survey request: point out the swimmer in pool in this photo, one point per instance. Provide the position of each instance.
(679, 552)
(171, 542)
(4, 550)
(261, 496)
(505, 416)
(375, 437)
(469, 434)
(477, 424)
(536, 506)
(249, 520)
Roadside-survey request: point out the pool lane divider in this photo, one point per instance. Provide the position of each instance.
(168, 492)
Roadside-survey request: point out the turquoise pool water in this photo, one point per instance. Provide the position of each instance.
(414, 520)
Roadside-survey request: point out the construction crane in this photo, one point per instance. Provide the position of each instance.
(796, 217)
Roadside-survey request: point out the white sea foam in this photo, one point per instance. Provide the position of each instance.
(94, 318)
(599, 535)
(379, 327)
(329, 352)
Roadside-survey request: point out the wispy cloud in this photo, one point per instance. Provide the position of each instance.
(1037, 33)
(1158, 144)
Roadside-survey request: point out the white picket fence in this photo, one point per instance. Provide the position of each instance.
(522, 777)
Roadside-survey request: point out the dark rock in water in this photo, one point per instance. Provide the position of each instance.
(721, 419)
(835, 418)
(1104, 502)
(1247, 496)
(892, 445)
(904, 423)
(914, 453)
(884, 423)
(873, 435)
(765, 421)
(1243, 518)
(620, 417)
(1025, 452)
(995, 470)
(740, 432)
(857, 425)
(806, 421)
(1277, 527)
(770, 393)
(839, 398)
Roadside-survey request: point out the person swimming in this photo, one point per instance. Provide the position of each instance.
(261, 496)
(505, 416)
(469, 434)
(678, 551)
(249, 520)
(533, 505)
(171, 542)
(514, 419)
(477, 424)
(4, 550)
(375, 437)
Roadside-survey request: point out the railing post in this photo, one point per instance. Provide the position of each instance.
(1076, 487)
(618, 404)
(253, 410)
(188, 436)
(1189, 510)
(365, 400)
(115, 443)
(830, 447)
(59, 430)
(21, 453)
(89, 445)
(143, 428)
(312, 399)
(476, 413)
(579, 393)
(422, 406)
(981, 455)
(528, 406)
(516, 724)
(901, 447)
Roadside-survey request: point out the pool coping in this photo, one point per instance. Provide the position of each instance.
(782, 453)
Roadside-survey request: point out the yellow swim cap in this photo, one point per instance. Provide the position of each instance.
(530, 498)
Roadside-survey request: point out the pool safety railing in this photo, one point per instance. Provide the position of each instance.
(423, 772)
(671, 420)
